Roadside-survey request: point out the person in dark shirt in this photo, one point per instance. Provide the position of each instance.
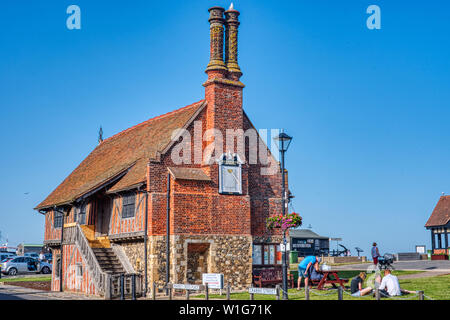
(356, 286)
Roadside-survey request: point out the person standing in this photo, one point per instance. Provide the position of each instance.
(303, 269)
(375, 253)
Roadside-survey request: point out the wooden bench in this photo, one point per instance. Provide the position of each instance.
(271, 276)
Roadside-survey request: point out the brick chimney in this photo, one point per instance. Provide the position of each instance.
(231, 43)
(223, 90)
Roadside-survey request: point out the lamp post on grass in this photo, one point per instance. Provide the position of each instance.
(283, 141)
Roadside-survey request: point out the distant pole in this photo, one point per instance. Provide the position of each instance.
(285, 253)
(145, 244)
(168, 233)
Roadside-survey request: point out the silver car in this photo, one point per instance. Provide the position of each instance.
(18, 265)
(4, 255)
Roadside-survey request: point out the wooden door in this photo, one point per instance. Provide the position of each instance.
(104, 217)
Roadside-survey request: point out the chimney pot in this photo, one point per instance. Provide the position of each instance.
(216, 62)
(231, 43)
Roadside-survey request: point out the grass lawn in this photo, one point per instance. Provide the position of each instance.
(437, 288)
(40, 279)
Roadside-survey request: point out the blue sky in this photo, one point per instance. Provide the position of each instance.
(368, 109)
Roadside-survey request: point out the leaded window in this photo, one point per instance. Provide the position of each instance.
(128, 205)
(57, 219)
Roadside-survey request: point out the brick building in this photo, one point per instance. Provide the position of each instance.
(115, 205)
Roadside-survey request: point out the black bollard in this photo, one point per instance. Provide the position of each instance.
(122, 287)
(133, 287)
(421, 295)
(340, 293)
(378, 295)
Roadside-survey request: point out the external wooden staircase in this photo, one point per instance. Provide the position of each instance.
(101, 246)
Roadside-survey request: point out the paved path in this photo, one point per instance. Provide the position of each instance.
(8, 292)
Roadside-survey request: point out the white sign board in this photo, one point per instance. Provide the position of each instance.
(287, 245)
(420, 249)
(262, 291)
(186, 286)
(214, 280)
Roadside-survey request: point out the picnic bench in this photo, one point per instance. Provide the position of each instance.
(330, 277)
(270, 276)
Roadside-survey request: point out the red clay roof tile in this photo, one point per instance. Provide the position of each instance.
(441, 213)
(130, 149)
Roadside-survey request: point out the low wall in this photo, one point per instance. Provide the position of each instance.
(344, 259)
(407, 256)
(332, 260)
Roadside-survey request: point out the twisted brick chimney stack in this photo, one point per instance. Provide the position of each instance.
(231, 43)
(223, 90)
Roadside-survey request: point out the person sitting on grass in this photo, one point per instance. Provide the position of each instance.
(356, 286)
(389, 286)
(303, 267)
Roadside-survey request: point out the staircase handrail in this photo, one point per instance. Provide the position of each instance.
(94, 269)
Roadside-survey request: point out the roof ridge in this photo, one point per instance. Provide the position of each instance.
(151, 119)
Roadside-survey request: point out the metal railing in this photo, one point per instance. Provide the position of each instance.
(124, 285)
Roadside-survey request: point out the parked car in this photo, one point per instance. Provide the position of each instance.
(5, 260)
(24, 264)
(4, 255)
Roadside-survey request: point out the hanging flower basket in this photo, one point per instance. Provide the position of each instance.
(291, 220)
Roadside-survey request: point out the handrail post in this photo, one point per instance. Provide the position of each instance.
(377, 294)
(306, 292)
(206, 292)
(252, 296)
(187, 294)
(154, 291)
(169, 285)
(228, 292)
(278, 291)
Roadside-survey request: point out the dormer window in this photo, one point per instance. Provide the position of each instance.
(128, 205)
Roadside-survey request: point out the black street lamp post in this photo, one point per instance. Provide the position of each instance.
(283, 141)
